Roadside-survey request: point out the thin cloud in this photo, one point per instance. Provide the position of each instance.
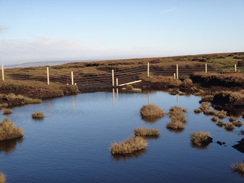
(169, 10)
(3, 28)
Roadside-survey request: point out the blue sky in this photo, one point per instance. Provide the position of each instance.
(60, 30)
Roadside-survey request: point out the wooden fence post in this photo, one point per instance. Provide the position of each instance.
(3, 72)
(48, 81)
(206, 68)
(177, 71)
(112, 77)
(117, 81)
(235, 68)
(148, 74)
(72, 77)
(174, 75)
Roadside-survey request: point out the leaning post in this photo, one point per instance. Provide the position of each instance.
(3, 72)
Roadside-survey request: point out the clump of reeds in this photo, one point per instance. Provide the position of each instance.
(175, 125)
(38, 115)
(9, 131)
(7, 111)
(238, 123)
(214, 118)
(201, 138)
(147, 132)
(197, 110)
(220, 123)
(129, 146)
(221, 114)
(204, 106)
(229, 126)
(151, 111)
(177, 114)
(210, 112)
(238, 167)
(2, 178)
(232, 118)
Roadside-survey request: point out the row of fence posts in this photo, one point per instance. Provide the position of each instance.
(115, 81)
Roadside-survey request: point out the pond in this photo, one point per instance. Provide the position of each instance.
(71, 144)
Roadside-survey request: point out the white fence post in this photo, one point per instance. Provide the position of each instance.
(148, 74)
(177, 71)
(235, 68)
(174, 75)
(117, 81)
(112, 77)
(3, 72)
(206, 68)
(72, 77)
(48, 81)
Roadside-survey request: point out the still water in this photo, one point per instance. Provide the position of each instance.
(71, 144)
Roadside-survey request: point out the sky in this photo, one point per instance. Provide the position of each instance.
(79, 30)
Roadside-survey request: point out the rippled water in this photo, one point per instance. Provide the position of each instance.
(71, 144)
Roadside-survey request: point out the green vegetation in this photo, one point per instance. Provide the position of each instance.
(9, 131)
(129, 146)
(238, 167)
(2, 178)
(151, 111)
(146, 132)
(38, 115)
(201, 138)
(7, 111)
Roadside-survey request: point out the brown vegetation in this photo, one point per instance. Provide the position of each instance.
(2, 178)
(201, 138)
(129, 146)
(38, 115)
(7, 111)
(238, 167)
(143, 131)
(151, 111)
(9, 131)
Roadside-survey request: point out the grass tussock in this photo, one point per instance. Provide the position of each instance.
(176, 125)
(229, 126)
(201, 138)
(238, 124)
(146, 132)
(197, 110)
(238, 167)
(232, 118)
(220, 123)
(177, 114)
(151, 111)
(205, 106)
(2, 178)
(38, 115)
(7, 111)
(9, 131)
(129, 146)
(214, 118)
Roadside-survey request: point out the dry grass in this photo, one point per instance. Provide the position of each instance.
(197, 110)
(151, 111)
(38, 115)
(229, 126)
(177, 114)
(221, 114)
(214, 118)
(201, 138)
(220, 123)
(9, 131)
(143, 131)
(129, 146)
(238, 124)
(205, 106)
(175, 125)
(2, 178)
(7, 111)
(232, 118)
(238, 167)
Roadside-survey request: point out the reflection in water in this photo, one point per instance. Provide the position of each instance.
(204, 147)
(137, 154)
(150, 119)
(9, 146)
(73, 102)
(176, 130)
(148, 97)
